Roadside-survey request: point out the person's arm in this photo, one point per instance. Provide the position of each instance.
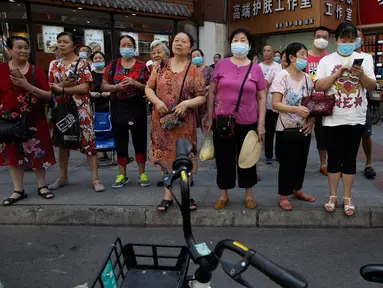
(106, 87)
(159, 105)
(211, 99)
(261, 97)
(323, 81)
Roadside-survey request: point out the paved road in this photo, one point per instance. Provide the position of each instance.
(65, 257)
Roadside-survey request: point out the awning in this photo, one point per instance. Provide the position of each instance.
(148, 6)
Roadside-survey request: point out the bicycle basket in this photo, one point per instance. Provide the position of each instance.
(144, 266)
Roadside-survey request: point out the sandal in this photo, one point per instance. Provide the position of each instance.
(302, 196)
(58, 184)
(45, 195)
(369, 172)
(250, 204)
(10, 201)
(98, 186)
(220, 204)
(193, 205)
(330, 206)
(349, 209)
(285, 204)
(164, 205)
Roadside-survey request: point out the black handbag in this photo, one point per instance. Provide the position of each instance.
(16, 131)
(66, 132)
(225, 124)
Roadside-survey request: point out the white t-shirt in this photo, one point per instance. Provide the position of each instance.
(292, 92)
(350, 97)
(270, 78)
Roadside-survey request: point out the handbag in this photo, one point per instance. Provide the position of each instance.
(171, 120)
(16, 131)
(225, 124)
(318, 106)
(66, 131)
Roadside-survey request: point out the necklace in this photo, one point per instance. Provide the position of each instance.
(23, 71)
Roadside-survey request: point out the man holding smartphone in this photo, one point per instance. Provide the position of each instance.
(369, 172)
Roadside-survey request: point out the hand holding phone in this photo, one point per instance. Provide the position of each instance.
(358, 62)
(15, 73)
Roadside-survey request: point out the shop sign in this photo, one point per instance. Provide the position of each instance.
(50, 37)
(338, 10)
(94, 39)
(135, 37)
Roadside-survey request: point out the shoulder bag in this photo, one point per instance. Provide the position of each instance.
(171, 120)
(225, 124)
(318, 106)
(16, 131)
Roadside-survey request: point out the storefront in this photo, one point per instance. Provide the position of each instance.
(41, 20)
(371, 23)
(280, 22)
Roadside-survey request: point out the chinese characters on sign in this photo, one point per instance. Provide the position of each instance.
(50, 38)
(340, 12)
(94, 39)
(248, 9)
(295, 23)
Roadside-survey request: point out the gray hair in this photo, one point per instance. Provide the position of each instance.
(157, 43)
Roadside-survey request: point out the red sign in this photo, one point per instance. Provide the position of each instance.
(371, 12)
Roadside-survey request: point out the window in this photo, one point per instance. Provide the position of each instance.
(11, 10)
(57, 15)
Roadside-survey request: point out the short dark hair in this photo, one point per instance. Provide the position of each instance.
(239, 30)
(255, 53)
(87, 47)
(11, 40)
(199, 50)
(95, 53)
(346, 30)
(130, 38)
(219, 55)
(275, 52)
(292, 50)
(322, 28)
(191, 39)
(70, 35)
(283, 52)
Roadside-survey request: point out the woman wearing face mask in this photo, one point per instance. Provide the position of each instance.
(15, 94)
(277, 56)
(164, 91)
(77, 88)
(198, 60)
(294, 125)
(101, 103)
(229, 75)
(126, 79)
(343, 131)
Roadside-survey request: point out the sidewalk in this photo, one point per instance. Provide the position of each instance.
(133, 205)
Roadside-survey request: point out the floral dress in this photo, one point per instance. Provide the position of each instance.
(167, 86)
(58, 74)
(37, 152)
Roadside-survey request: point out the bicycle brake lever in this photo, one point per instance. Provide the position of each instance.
(162, 166)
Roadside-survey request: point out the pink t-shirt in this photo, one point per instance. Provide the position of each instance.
(229, 78)
(311, 69)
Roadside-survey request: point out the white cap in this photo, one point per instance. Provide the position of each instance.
(149, 63)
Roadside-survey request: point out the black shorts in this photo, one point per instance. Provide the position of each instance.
(368, 126)
(319, 134)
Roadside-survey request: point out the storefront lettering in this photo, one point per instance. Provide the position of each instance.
(328, 9)
(268, 7)
(257, 6)
(244, 10)
(340, 11)
(348, 14)
(292, 4)
(295, 23)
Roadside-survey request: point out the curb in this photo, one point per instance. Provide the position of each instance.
(203, 217)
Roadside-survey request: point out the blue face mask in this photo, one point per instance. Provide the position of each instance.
(240, 49)
(301, 64)
(83, 55)
(99, 65)
(277, 59)
(346, 49)
(127, 52)
(197, 61)
(358, 43)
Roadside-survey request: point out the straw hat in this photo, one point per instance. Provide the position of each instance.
(251, 151)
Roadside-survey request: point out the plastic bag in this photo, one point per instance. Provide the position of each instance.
(207, 151)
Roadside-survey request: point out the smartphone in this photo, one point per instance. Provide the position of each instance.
(358, 62)
(15, 73)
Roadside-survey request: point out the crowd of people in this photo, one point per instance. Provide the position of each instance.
(185, 94)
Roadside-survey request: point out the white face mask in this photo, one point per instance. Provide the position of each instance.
(320, 43)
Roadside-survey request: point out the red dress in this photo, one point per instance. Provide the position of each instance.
(38, 151)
